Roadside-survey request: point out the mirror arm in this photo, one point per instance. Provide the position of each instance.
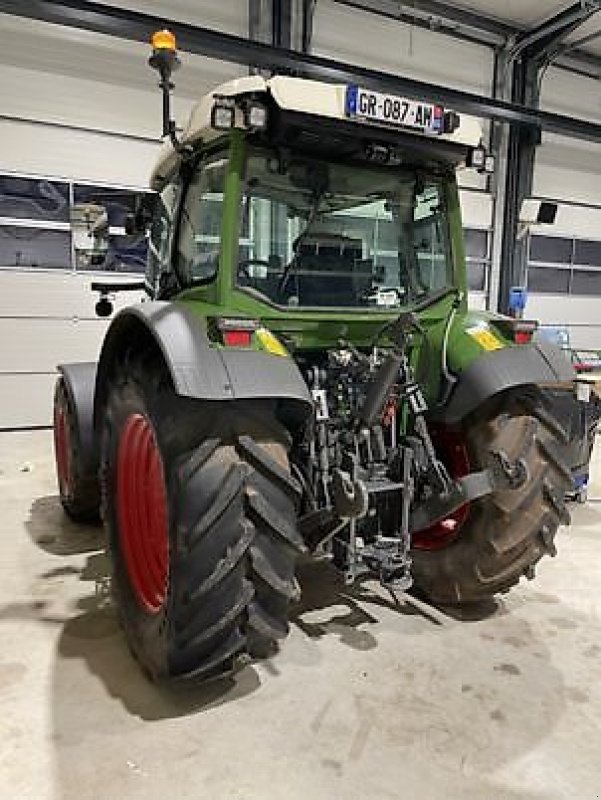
(108, 287)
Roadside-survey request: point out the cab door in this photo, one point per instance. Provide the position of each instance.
(160, 278)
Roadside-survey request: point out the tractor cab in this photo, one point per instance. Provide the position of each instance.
(288, 199)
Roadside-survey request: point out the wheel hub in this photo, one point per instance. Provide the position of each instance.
(142, 512)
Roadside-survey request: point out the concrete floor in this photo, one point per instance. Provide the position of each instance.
(363, 702)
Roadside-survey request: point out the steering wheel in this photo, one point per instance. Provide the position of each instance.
(247, 262)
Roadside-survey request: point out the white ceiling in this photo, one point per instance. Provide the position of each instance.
(520, 13)
(528, 14)
(593, 25)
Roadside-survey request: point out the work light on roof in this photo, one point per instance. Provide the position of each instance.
(223, 113)
(479, 159)
(255, 116)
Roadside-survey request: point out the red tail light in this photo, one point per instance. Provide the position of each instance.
(234, 338)
(522, 337)
(236, 332)
(520, 330)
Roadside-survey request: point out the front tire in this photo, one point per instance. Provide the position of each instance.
(502, 536)
(200, 508)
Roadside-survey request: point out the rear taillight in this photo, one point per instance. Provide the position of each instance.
(520, 330)
(522, 337)
(236, 332)
(237, 338)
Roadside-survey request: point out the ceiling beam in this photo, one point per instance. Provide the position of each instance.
(137, 26)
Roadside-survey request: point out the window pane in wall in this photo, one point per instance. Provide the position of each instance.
(586, 281)
(587, 252)
(476, 276)
(117, 202)
(34, 247)
(476, 243)
(117, 254)
(551, 249)
(548, 279)
(34, 198)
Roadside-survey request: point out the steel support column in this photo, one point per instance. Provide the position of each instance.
(285, 24)
(528, 56)
(521, 153)
(502, 76)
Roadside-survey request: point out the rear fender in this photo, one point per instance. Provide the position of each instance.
(198, 369)
(539, 364)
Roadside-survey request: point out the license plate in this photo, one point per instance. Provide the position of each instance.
(390, 109)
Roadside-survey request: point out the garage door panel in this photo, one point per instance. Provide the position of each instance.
(61, 294)
(38, 345)
(26, 400)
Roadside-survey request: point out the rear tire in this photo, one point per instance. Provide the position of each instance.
(231, 526)
(506, 533)
(79, 492)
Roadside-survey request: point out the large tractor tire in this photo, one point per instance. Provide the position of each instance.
(485, 547)
(200, 509)
(79, 492)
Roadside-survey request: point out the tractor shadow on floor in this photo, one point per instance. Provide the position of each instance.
(94, 636)
(53, 532)
(327, 606)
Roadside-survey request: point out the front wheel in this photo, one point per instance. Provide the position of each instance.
(485, 547)
(200, 508)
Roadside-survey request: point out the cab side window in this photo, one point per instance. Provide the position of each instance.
(161, 238)
(199, 240)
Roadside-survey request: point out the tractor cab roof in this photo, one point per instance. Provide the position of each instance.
(308, 99)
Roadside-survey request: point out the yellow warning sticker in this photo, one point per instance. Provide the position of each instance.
(486, 338)
(270, 342)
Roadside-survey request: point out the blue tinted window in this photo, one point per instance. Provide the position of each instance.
(587, 252)
(34, 198)
(34, 247)
(548, 279)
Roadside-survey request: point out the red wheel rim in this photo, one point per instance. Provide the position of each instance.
(142, 512)
(62, 450)
(451, 448)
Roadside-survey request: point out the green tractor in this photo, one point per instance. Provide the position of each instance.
(305, 378)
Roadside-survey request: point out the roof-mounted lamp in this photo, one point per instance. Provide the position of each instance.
(165, 60)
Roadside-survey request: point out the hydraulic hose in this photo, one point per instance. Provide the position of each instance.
(450, 379)
(377, 394)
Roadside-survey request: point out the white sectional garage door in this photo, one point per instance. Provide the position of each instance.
(45, 319)
(77, 107)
